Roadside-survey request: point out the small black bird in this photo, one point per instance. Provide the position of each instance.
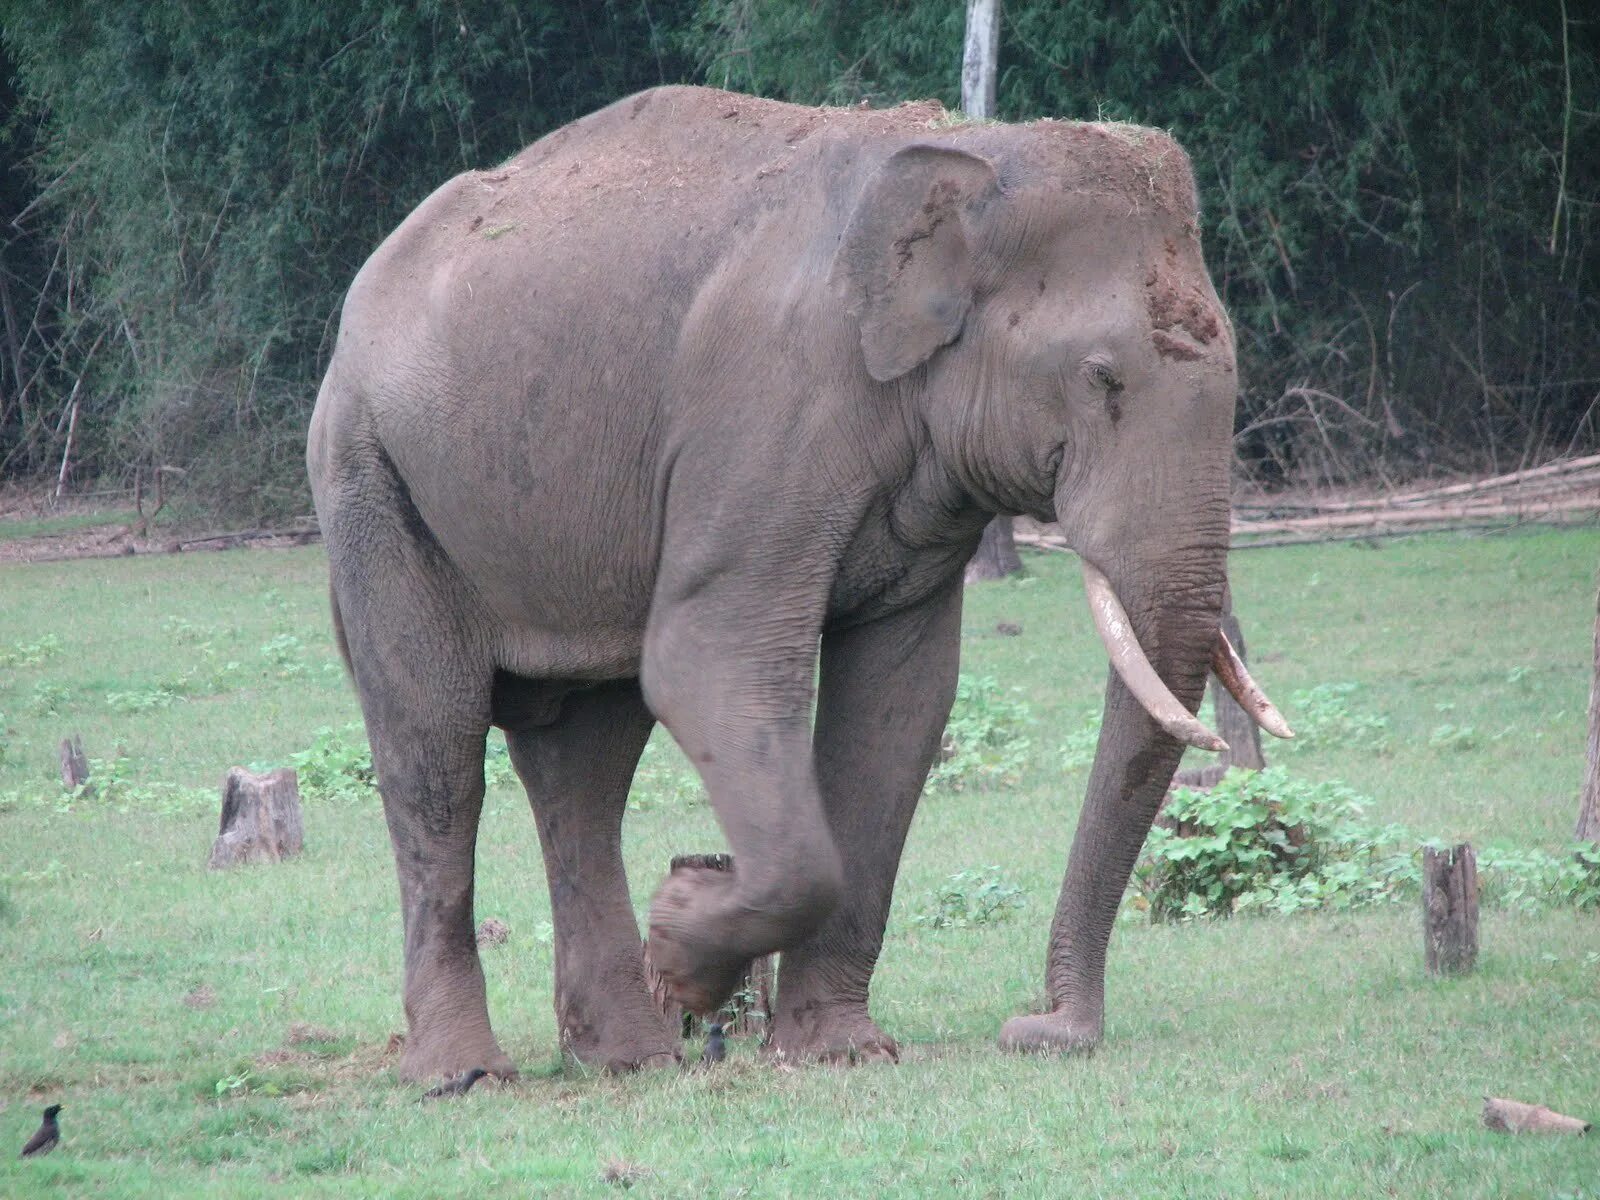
(49, 1133)
(458, 1086)
(716, 1049)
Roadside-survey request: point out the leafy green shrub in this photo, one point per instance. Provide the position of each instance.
(1457, 738)
(983, 744)
(975, 897)
(1527, 879)
(31, 654)
(283, 654)
(1323, 718)
(497, 769)
(48, 700)
(664, 779)
(1077, 752)
(111, 787)
(336, 766)
(1266, 841)
(141, 701)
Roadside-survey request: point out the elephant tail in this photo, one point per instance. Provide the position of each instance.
(338, 631)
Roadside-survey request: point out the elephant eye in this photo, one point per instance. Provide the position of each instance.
(1103, 377)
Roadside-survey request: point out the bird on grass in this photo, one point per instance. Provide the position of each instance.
(716, 1049)
(46, 1137)
(459, 1086)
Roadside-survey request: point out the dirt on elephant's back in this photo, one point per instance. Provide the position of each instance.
(667, 138)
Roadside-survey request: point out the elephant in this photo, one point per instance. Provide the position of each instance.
(692, 413)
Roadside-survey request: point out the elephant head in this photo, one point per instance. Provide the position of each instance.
(1043, 294)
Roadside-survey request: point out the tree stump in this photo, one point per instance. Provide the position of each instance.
(996, 555)
(74, 765)
(749, 1011)
(260, 818)
(1450, 909)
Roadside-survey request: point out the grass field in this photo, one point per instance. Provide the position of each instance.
(225, 1033)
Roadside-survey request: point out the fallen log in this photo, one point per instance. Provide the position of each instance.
(1587, 465)
(1513, 1116)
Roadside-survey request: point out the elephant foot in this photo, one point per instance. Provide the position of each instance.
(694, 974)
(621, 1056)
(1049, 1033)
(830, 1037)
(427, 1059)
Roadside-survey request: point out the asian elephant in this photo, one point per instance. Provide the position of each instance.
(696, 392)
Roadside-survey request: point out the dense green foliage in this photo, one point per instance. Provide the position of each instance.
(215, 173)
(1273, 842)
(1400, 196)
(1263, 840)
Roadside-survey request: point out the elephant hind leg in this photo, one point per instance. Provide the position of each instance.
(406, 628)
(577, 769)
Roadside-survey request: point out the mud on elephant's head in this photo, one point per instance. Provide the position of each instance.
(1042, 291)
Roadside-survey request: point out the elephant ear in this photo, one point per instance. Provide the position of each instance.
(904, 265)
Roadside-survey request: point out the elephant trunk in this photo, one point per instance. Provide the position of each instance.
(1174, 631)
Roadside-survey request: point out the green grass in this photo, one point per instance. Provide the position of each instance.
(1304, 1056)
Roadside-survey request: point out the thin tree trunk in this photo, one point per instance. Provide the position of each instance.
(996, 555)
(980, 58)
(1588, 829)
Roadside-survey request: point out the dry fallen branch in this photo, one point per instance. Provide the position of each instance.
(1513, 1116)
(298, 535)
(1588, 468)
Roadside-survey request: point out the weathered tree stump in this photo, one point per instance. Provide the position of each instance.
(750, 1009)
(74, 764)
(996, 556)
(1450, 909)
(260, 818)
(1513, 1116)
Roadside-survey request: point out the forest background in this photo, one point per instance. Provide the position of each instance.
(1401, 198)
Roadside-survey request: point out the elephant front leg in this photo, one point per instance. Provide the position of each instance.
(730, 675)
(886, 692)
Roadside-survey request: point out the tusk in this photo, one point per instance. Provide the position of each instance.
(1230, 671)
(1130, 661)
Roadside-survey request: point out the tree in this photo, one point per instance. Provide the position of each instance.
(1380, 181)
(1588, 829)
(996, 556)
(214, 174)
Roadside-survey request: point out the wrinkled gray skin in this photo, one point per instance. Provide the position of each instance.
(629, 428)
